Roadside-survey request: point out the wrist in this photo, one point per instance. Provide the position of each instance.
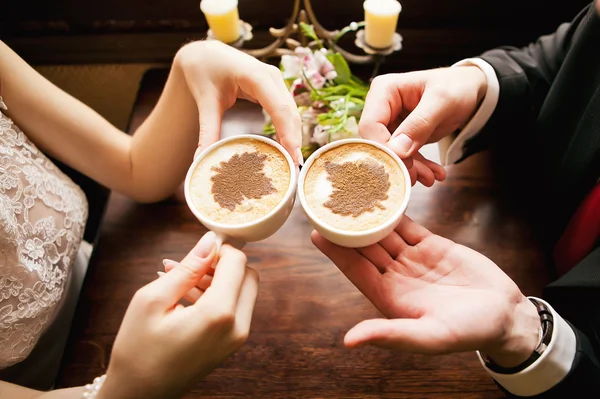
(123, 385)
(92, 390)
(481, 79)
(521, 336)
(107, 391)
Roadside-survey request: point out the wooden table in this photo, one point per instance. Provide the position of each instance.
(305, 304)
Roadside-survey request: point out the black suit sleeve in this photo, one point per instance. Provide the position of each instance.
(583, 380)
(575, 296)
(584, 376)
(525, 76)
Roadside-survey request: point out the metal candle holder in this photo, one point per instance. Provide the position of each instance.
(284, 43)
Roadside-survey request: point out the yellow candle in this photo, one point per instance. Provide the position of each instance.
(223, 19)
(381, 18)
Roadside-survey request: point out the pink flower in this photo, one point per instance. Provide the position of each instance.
(321, 135)
(298, 86)
(307, 65)
(326, 68)
(350, 131)
(292, 66)
(316, 79)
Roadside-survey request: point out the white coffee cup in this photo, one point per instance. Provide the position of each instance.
(354, 239)
(258, 229)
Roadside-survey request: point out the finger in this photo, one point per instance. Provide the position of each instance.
(383, 104)
(247, 301)
(412, 233)
(195, 293)
(415, 130)
(425, 175)
(220, 239)
(170, 288)
(205, 282)
(412, 172)
(393, 244)
(394, 124)
(407, 335)
(362, 273)
(438, 170)
(408, 162)
(378, 256)
(272, 94)
(170, 264)
(227, 281)
(210, 115)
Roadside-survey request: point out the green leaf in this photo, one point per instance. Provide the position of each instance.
(309, 31)
(269, 130)
(358, 81)
(341, 67)
(309, 149)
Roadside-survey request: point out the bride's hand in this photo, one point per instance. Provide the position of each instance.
(218, 74)
(163, 347)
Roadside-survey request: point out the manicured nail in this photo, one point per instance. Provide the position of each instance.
(401, 144)
(160, 274)
(299, 157)
(169, 262)
(206, 245)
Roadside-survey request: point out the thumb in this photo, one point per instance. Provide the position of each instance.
(210, 115)
(171, 288)
(418, 126)
(407, 335)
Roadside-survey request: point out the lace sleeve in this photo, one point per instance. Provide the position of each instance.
(42, 220)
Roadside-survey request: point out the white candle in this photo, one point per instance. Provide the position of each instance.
(223, 19)
(381, 18)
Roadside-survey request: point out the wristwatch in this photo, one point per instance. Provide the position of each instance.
(546, 326)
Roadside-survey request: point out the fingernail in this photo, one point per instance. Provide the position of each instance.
(401, 144)
(299, 157)
(169, 262)
(206, 245)
(160, 274)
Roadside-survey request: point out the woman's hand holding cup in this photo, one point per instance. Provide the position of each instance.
(164, 347)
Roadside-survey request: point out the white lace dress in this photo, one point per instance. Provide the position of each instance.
(42, 258)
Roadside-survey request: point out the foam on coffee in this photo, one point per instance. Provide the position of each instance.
(354, 187)
(240, 181)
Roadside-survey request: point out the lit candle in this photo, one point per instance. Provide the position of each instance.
(381, 18)
(223, 19)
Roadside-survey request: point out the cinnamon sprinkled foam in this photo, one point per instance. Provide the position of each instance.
(354, 187)
(240, 182)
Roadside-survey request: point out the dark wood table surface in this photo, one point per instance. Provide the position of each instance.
(305, 304)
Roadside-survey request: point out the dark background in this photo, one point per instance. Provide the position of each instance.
(436, 32)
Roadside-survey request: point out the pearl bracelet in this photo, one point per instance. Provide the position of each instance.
(91, 390)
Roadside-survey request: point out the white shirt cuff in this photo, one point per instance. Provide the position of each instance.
(550, 369)
(451, 149)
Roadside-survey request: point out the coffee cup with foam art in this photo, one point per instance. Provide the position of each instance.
(354, 191)
(242, 187)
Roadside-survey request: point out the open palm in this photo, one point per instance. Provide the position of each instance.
(439, 296)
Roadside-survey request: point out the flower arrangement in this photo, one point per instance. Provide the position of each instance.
(329, 97)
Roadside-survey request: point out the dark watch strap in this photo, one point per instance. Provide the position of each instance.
(547, 323)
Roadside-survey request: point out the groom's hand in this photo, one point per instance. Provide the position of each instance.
(438, 296)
